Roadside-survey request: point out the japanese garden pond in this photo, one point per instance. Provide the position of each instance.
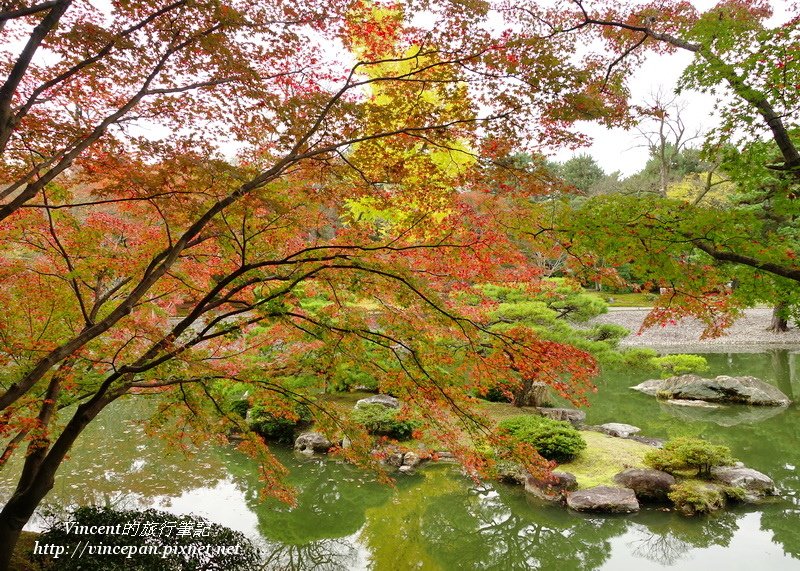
(437, 519)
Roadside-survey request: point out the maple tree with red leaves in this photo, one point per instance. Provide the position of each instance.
(137, 257)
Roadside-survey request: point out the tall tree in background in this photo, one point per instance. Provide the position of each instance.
(694, 251)
(666, 134)
(581, 171)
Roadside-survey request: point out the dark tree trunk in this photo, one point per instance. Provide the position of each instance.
(532, 394)
(38, 476)
(13, 518)
(779, 323)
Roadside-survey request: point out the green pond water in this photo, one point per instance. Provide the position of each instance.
(439, 520)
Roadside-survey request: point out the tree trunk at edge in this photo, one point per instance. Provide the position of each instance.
(778, 323)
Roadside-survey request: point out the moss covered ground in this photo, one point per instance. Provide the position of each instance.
(604, 457)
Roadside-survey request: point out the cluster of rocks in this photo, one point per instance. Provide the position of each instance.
(572, 415)
(636, 486)
(318, 443)
(312, 443)
(644, 485)
(405, 461)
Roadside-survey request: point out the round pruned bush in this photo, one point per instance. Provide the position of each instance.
(148, 540)
(684, 454)
(552, 439)
(384, 421)
(240, 407)
(495, 394)
(278, 427)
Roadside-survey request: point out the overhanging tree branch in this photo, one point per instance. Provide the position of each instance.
(728, 256)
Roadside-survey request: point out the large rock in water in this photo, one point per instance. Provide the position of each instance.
(604, 499)
(755, 484)
(647, 484)
(384, 400)
(744, 390)
(724, 415)
(312, 442)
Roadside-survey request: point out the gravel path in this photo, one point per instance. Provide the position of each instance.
(749, 331)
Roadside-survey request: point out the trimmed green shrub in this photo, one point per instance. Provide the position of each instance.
(167, 548)
(384, 421)
(608, 332)
(553, 439)
(639, 359)
(692, 497)
(671, 365)
(347, 377)
(278, 428)
(682, 454)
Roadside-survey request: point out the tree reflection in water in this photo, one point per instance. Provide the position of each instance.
(665, 549)
(321, 555)
(495, 530)
(667, 538)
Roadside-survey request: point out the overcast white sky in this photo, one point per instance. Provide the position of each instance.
(620, 150)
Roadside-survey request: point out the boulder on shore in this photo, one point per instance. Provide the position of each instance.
(619, 429)
(604, 499)
(553, 488)
(647, 484)
(312, 442)
(411, 459)
(755, 484)
(572, 415)
(384, 400)
(511, 472)
(725, 389)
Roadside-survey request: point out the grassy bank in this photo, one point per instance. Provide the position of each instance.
(624, 299)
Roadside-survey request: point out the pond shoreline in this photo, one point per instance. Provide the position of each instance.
(748, 333)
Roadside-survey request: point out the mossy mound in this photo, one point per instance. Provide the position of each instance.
(603, 458)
